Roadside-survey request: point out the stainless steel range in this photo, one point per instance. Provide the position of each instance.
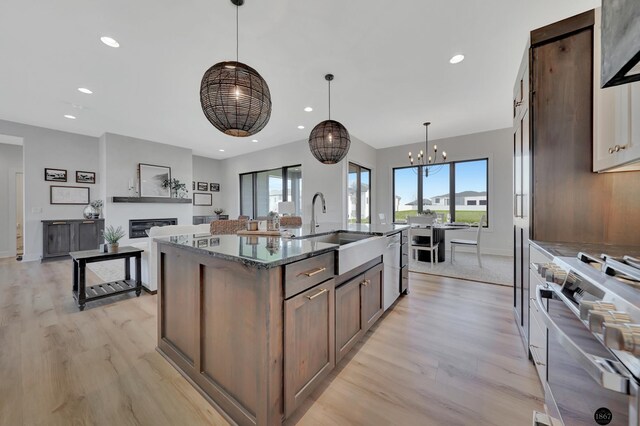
(590, 305)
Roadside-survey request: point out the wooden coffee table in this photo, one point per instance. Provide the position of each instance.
(84, 294)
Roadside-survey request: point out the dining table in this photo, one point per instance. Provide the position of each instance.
(423, 232)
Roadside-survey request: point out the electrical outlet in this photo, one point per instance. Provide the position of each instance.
(36, 210)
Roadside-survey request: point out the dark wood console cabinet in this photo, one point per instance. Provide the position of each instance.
(59, 237)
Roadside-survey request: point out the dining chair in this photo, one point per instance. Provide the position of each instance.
(470, 243)
(431, 245)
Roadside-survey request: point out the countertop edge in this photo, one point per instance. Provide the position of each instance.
(247, 261)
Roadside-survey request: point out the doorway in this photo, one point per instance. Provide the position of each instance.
(19, 215)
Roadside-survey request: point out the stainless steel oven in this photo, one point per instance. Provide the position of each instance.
(590, 377)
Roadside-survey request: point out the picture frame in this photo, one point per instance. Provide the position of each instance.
(202, 186)
(55, 175)
(200, 199)
(69, 195)
(214, 187)
(85, 177)
(193, 186)
(203, 242)
(150, 180)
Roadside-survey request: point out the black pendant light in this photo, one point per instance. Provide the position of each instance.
(329, 141)
(234, 97)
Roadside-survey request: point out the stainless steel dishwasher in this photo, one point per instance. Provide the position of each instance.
(391, 259)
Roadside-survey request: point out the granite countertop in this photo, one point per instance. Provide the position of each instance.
(594, 249)
(358, 228)
(269, 252)
(257, 251)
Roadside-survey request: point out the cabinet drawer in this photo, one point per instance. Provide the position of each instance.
(405, 237)
(302, 275)
(538, 343)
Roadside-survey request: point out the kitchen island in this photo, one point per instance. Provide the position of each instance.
(256, 323)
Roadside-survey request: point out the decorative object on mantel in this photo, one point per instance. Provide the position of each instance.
(93, 210)
(85, 177)
(69, 195)
(234, 97)
(133, 189)
(214, 187)
(112, 236)
(202, 199)
(424, 159)
(55, 175)
(620, 60)
(329, 141)
(218, 210)
(178, 189)
(151, 178)
(202, 186)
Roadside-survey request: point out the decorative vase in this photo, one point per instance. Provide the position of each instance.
(90, 212)
(112, 248)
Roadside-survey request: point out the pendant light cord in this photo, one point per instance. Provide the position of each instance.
(329, 99)
(237, 35)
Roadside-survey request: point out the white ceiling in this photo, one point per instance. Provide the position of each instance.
(390, 59)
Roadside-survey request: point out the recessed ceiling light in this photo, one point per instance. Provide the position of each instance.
(300, 127)
(84, 90)
(109, 41)
(221, 150)
(456, 59)
(70, 117)
(254, 140)
(308, 109)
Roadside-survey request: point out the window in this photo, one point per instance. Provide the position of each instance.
(458, 190)
(359, 194)
(260, 192)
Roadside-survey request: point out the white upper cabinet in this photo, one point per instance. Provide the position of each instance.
(616, 120)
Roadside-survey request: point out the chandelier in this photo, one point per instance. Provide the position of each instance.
(424, 159)
(234, 97)
(329, 141)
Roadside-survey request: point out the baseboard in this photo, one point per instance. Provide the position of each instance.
(146, 290)
(4, 254)
(30, 258)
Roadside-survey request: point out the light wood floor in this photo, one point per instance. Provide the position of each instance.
(449, 354)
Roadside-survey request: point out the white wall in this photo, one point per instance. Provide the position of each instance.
(50, 148)
(331, 180)
(10, 164)
(120, 156)
(210, 171)
(496, 145)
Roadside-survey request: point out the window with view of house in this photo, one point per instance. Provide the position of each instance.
(458, 190)
(359, 194)
(260, 192)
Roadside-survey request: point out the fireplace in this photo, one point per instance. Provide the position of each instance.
(138, 227)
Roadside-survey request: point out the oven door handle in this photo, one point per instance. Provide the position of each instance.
(607, 373)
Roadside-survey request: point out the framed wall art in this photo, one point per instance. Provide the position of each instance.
(202, 199)
(85, 177)
(152, 178)
(202, 186)
(214, 187)
(55, 175)
(69, 195)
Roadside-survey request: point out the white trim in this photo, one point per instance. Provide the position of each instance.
(6, 254)
(30, 258)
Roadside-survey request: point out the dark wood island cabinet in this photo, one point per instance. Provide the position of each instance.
(257, 323)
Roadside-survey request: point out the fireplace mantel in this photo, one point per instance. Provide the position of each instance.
(152, 200)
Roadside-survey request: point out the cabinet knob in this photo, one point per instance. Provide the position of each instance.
(611, 151)
(365, 282)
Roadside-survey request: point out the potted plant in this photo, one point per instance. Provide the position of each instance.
(112, 236)
(178, 189)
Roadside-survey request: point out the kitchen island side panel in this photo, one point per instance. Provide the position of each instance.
(232, 317)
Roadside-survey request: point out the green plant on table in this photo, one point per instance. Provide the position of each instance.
(113, 235)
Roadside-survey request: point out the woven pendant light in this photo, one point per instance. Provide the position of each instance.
(329, 141)
(234, 97)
